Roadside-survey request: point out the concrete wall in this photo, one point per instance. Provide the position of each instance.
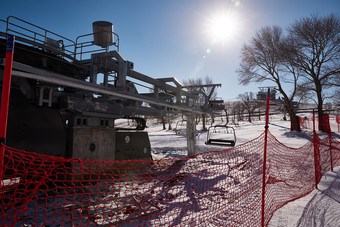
(93, 143)
(133, 145)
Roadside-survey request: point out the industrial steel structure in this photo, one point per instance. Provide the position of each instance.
(66, 95)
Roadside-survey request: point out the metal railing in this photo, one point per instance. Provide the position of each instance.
(44, 39)
(39, 37)
(88, 47)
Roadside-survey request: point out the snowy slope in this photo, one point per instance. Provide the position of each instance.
(319, 208)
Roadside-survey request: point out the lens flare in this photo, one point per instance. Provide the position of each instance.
(237, 3)
(221, 27)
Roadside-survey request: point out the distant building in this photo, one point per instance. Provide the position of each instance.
(262, 94)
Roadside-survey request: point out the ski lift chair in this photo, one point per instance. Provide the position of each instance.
(221, 135)
(180, 128)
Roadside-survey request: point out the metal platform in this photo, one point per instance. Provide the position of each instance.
(56, 74)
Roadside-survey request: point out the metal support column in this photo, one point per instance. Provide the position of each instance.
(191, 134)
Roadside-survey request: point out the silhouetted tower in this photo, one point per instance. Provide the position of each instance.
(262, 94)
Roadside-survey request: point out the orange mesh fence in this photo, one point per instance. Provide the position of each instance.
(335, 149)
(325, 158)
(217, 188)
(290, 174)
(305, 122)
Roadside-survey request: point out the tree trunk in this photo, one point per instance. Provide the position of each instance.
(320, 105)
(169, 121)
(226, 116)
(234, 116)
(163, 122)
(293, 118)
(294, 121)
(289, 106)
(203, 120)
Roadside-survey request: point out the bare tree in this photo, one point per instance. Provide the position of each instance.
(163, 123)
(336, 81)
(238, 110)
(250, 105)
(315, 50)
(336, 97)
(336, 93)
(265, 59)
(193, 85)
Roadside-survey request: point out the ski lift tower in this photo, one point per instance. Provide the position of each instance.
(262, 94)
(83, 87)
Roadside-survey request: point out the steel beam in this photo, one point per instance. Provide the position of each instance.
(62, 80)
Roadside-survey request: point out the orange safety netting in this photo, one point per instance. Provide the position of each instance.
(218, 188)
(307, 122)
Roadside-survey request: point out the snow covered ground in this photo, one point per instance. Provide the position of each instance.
(319, 208)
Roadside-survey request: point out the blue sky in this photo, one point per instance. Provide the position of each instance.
(173, 38)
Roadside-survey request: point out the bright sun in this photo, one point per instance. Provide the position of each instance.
(222, 27)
